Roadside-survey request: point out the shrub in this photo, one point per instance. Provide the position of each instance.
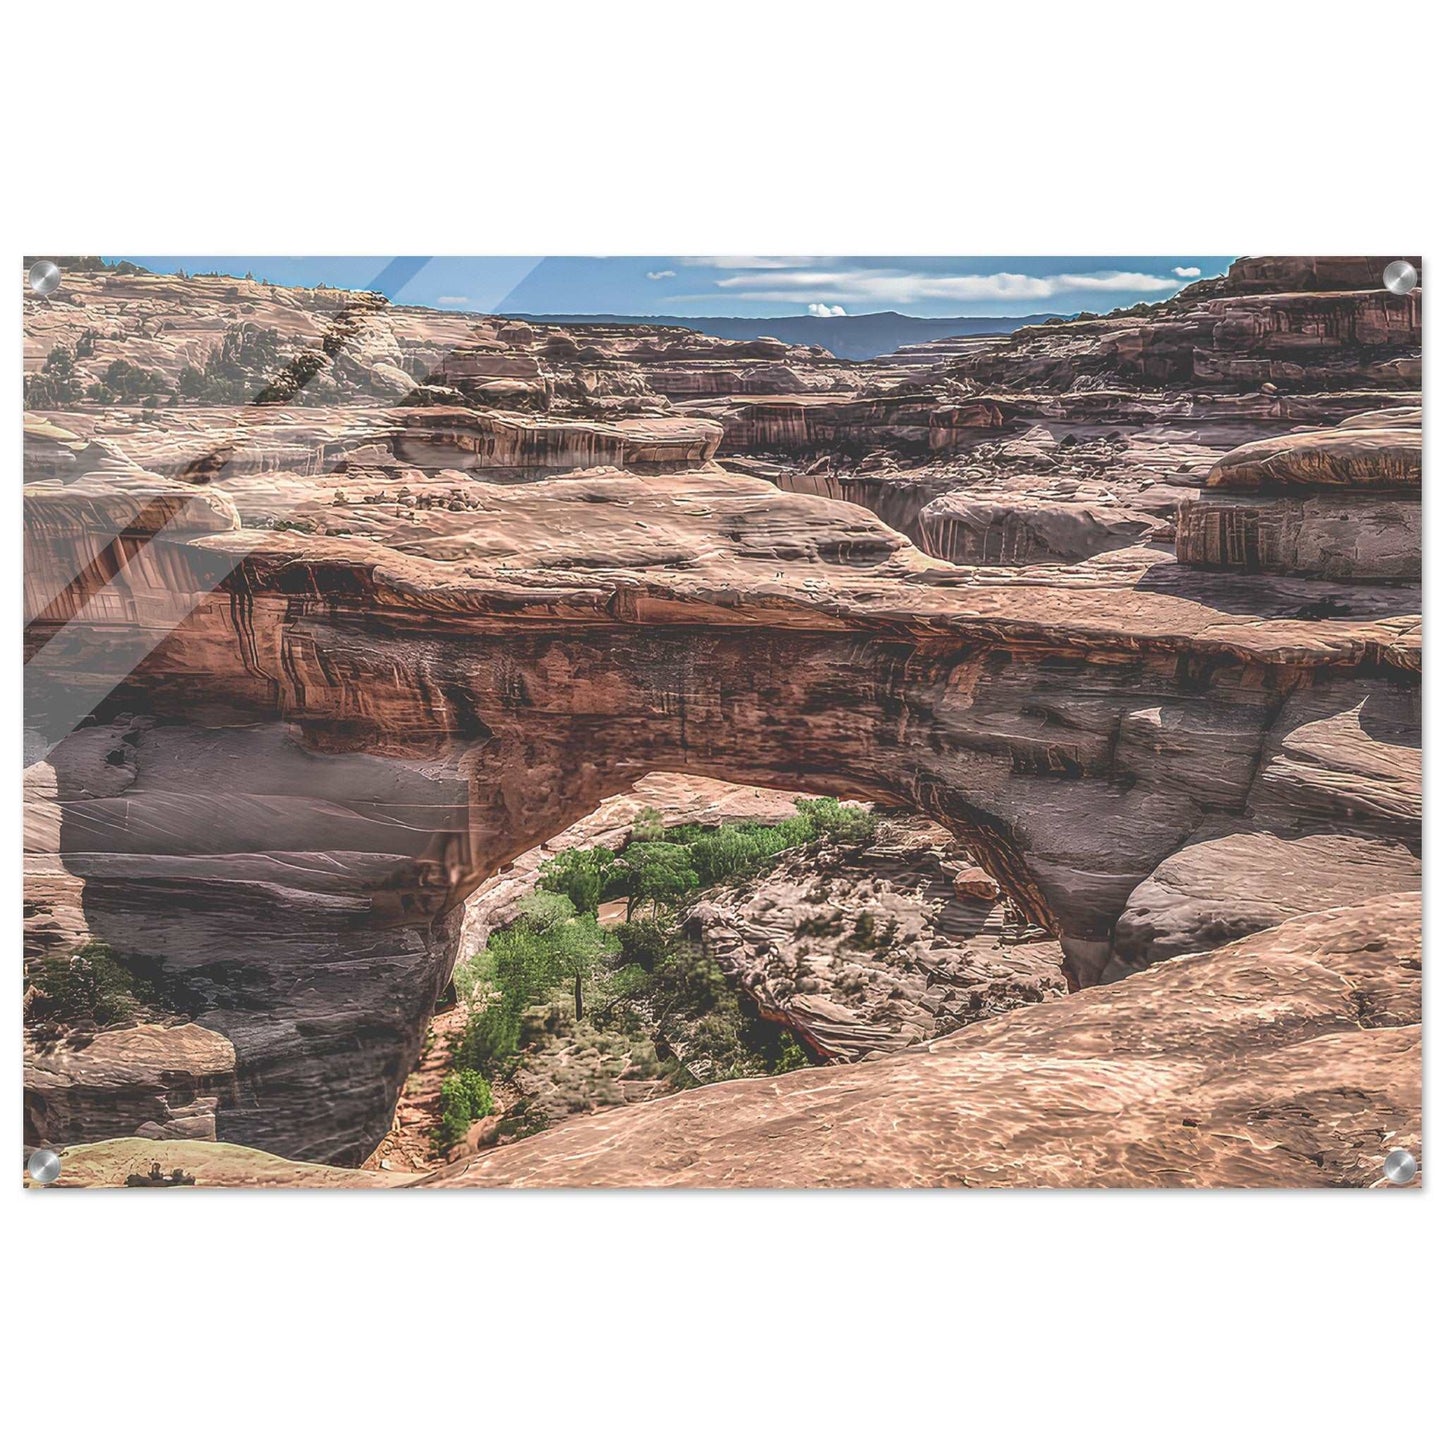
(56, 383)
(465, 1097)
(839, 822)
(490, 1037)
(791, 1055)
(732, 852)
(647, 827)
(88, 988)
(237, 370)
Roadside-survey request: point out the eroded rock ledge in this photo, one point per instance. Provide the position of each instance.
(294, 792)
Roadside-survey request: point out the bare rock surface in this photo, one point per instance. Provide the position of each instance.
(107, 1165)
(962, 529)
(1342, 504)
(870, 951)
(1382, 458)
(165, 1081)
(1290, 1058)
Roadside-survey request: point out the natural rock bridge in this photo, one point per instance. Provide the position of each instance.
(303, 751)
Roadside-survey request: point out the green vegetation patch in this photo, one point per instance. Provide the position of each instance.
(558, 973)
(465, 1097)
(87, 989)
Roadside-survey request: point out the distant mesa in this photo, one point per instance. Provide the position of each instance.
(851, 338)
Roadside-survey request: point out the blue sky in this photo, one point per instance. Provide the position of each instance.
(734, 285)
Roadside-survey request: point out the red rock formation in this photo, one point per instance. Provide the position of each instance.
(869, 952)
(1342, 503)
(416, 722)
(1291, 1058)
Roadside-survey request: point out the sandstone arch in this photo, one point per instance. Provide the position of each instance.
(289, 794)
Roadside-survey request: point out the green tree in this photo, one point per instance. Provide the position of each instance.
(656, 873)
(549, 945)
(580, 874)
(583, 946)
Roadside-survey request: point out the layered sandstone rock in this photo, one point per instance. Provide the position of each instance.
(160, 1081)
(1290, 1058)
(961, 529)
(1342, 503)
(1266, 274)
(1333, 815)
(383, 728)
(1331, 335)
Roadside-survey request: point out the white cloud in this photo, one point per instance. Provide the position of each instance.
(451, 300)
(753, 263)
(660, 275)
(903, 287)
(1188, 272)
(821, 308)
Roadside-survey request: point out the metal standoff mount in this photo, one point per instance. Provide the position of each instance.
(44, 277)
(43, 1166)
(1400, 1166)
(1400, 277)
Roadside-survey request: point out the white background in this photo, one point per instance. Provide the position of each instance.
(713, 128)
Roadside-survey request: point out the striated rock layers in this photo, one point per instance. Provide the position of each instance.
(1342, 503)
(284, 801)
(992, 454)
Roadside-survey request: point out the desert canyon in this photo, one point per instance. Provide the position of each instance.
(343, 618)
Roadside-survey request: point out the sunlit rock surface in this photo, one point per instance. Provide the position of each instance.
(1290, 1058)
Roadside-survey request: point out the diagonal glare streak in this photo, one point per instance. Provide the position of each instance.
(100, 569)
(394, 275)
(56, 704)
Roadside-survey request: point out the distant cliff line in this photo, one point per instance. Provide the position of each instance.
(853, 338)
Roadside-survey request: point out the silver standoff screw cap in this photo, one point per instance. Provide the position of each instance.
(44, 277)
(43, 1166)
(1400, 1166)
(1400, 277)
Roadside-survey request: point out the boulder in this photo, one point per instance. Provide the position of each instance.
(1384, 459)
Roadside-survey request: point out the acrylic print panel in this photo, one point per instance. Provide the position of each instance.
(722, 721)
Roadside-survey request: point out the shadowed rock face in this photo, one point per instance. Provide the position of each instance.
(1290, 1058)
(324, 702)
